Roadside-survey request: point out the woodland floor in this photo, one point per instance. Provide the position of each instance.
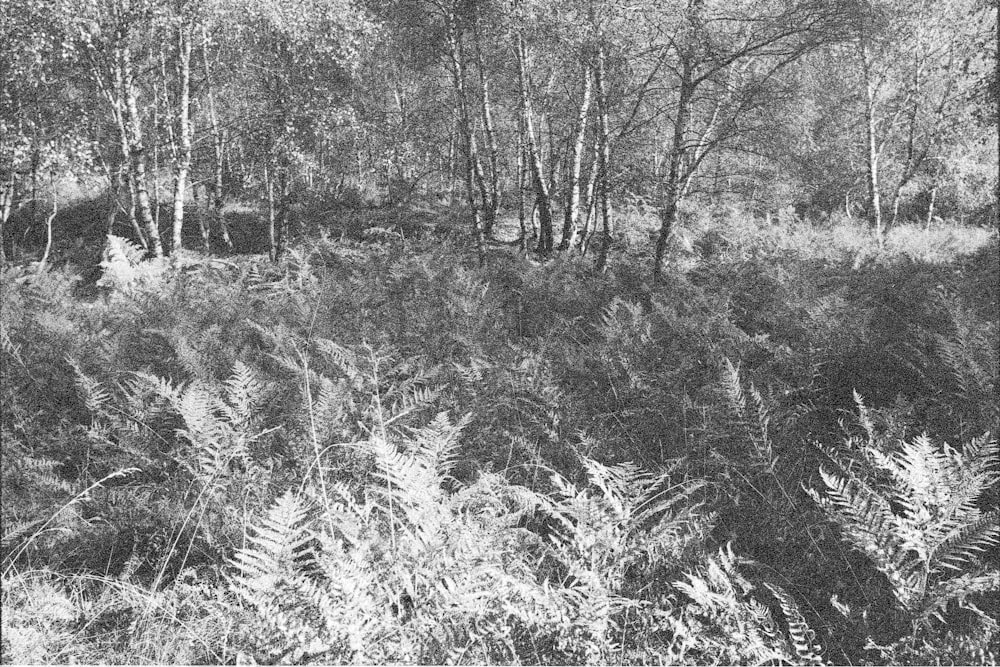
(156, 418)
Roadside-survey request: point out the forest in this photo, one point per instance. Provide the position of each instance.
(500, 332)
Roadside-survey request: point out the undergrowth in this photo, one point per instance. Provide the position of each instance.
(378, 451)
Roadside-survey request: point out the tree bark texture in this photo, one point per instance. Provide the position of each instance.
(589, 220)
(272, 232)
(603, 163)
(672, 186)
(137, 153)
(572, 214)
(491, 204)
(523, 238)
(542, 202)
(216, 196)
(871, 140)
(473, 168)
(183, 158)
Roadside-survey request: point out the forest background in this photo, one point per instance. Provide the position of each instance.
(518, 332)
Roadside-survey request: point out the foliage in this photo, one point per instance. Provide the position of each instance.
(379, 451)
(913, 511)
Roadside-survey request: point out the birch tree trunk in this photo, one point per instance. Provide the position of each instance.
(115, 93)
(930, 205)
(137, 153)
(473, 170)
(871, 142)
(202, 211)
(216, 196)
(542, 202)
(156, 158)
(590, 200)
(523, 238)
(272, 237)
(603, 162)
(6, 205)
(572, 214)
(491, 204)
(672, 186)
(183, 161)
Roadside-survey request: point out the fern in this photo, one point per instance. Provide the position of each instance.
(969, 353)
(8, 346)
(243, 392)
(218, 429)
(125, 270)
(723, 624)
(914, 513)
(412, 560)
(280, 541)
(95, 397)
(752, 416)
(799, 633)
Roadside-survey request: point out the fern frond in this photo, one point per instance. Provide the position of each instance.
(416, 399)
(962, 543)
(95, 396)
(438, 443)
(161, 387)
(617, 483)
(243, 391)
(197, 407)
(344, 359)
(280, 539)
(866, 516)
(957, 589)
(660, 496)
(802, 636)
(914, 513)
(9, 347)
(752, 416)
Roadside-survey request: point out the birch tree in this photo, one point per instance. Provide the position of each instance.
(721, 56)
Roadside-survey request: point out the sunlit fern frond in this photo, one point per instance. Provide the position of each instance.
(866, 520)
(753, 416)
(407, 400)
(162, 387)
(661, 495)
(8, 346)
(332, 404)
(119, 262)
(963, 542)
(409, 488)
(95, 397)
(726, 625)
(915, 514)
(344, 359)
(198, 407)
(275, 573)
(958, 590)
(864, 417)
(243, 392)
(438, 442)
(619, 485)
(802, 637)
(279, 541)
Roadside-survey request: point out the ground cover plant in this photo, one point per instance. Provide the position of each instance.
(379, 450)
(492, 332)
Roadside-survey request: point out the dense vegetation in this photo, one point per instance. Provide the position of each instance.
(378, 450)
(550, 332)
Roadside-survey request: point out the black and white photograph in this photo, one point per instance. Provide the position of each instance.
(499, 332)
